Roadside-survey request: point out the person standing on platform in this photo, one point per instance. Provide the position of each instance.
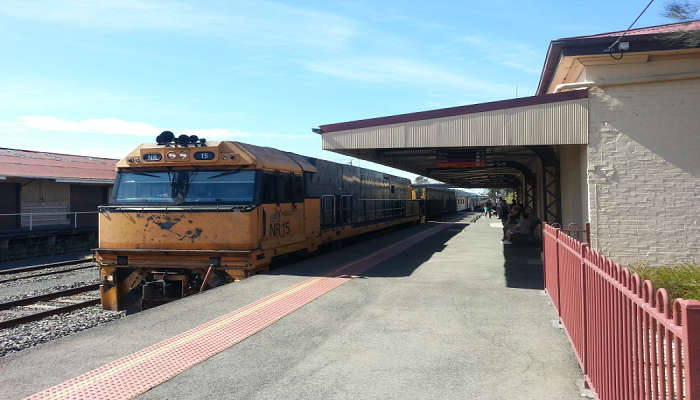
(502, 209)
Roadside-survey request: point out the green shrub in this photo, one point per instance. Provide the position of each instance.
(678, 280)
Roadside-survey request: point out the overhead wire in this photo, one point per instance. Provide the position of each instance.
(609, 50)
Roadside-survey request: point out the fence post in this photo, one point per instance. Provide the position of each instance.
(30, 222)
(75, 220)
(544, 257)
(691, 331)
(556, 254)
(584, 313)
(588, 233)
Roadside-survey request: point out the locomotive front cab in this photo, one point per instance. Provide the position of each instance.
(183, 218)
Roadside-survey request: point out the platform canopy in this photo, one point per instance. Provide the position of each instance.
(479, 145)
(500, 144)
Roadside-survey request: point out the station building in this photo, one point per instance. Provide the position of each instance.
(611, 138)
(48, 201)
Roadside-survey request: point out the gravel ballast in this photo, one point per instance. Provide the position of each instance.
(21, 288)
(33, 333)
(28, 292)
(50, 328)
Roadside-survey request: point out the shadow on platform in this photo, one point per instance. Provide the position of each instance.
(420, 253)
(523, 266)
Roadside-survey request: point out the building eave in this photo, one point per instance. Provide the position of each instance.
(598, 44)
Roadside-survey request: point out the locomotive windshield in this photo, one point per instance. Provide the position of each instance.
(185, 187)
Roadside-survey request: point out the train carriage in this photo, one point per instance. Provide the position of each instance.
(463, 200)
(436, 201)
(187, 214)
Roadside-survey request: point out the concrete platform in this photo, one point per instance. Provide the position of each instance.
(457, 316)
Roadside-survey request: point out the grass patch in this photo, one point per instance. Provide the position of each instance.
(678, 280)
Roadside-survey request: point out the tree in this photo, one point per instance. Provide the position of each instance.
(682, 11)
(420, 180)
(494, 194)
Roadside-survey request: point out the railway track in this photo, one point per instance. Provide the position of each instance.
(33, 308)
(41, 266)
(8, 275)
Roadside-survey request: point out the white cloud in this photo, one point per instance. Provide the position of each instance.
(260, 22)
(114, 126)
(404, 71)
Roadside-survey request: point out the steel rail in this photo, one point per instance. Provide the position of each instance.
(42, 266)
(48, 296)
(48, 273)
(59, 310)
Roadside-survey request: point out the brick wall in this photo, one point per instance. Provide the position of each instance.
(644, 172)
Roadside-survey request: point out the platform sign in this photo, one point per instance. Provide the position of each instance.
(467, 158)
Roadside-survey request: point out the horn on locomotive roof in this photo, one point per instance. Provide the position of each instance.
(167, 137)
(182, 140)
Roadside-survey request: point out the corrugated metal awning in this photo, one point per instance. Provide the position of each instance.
(552, 119)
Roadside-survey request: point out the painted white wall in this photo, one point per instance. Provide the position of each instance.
(644, 164)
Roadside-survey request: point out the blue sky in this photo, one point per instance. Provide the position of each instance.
(97, 77)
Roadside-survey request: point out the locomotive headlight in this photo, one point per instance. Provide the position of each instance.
(172, 155)
(183, 155)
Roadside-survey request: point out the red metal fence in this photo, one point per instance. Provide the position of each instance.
(629, 342)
